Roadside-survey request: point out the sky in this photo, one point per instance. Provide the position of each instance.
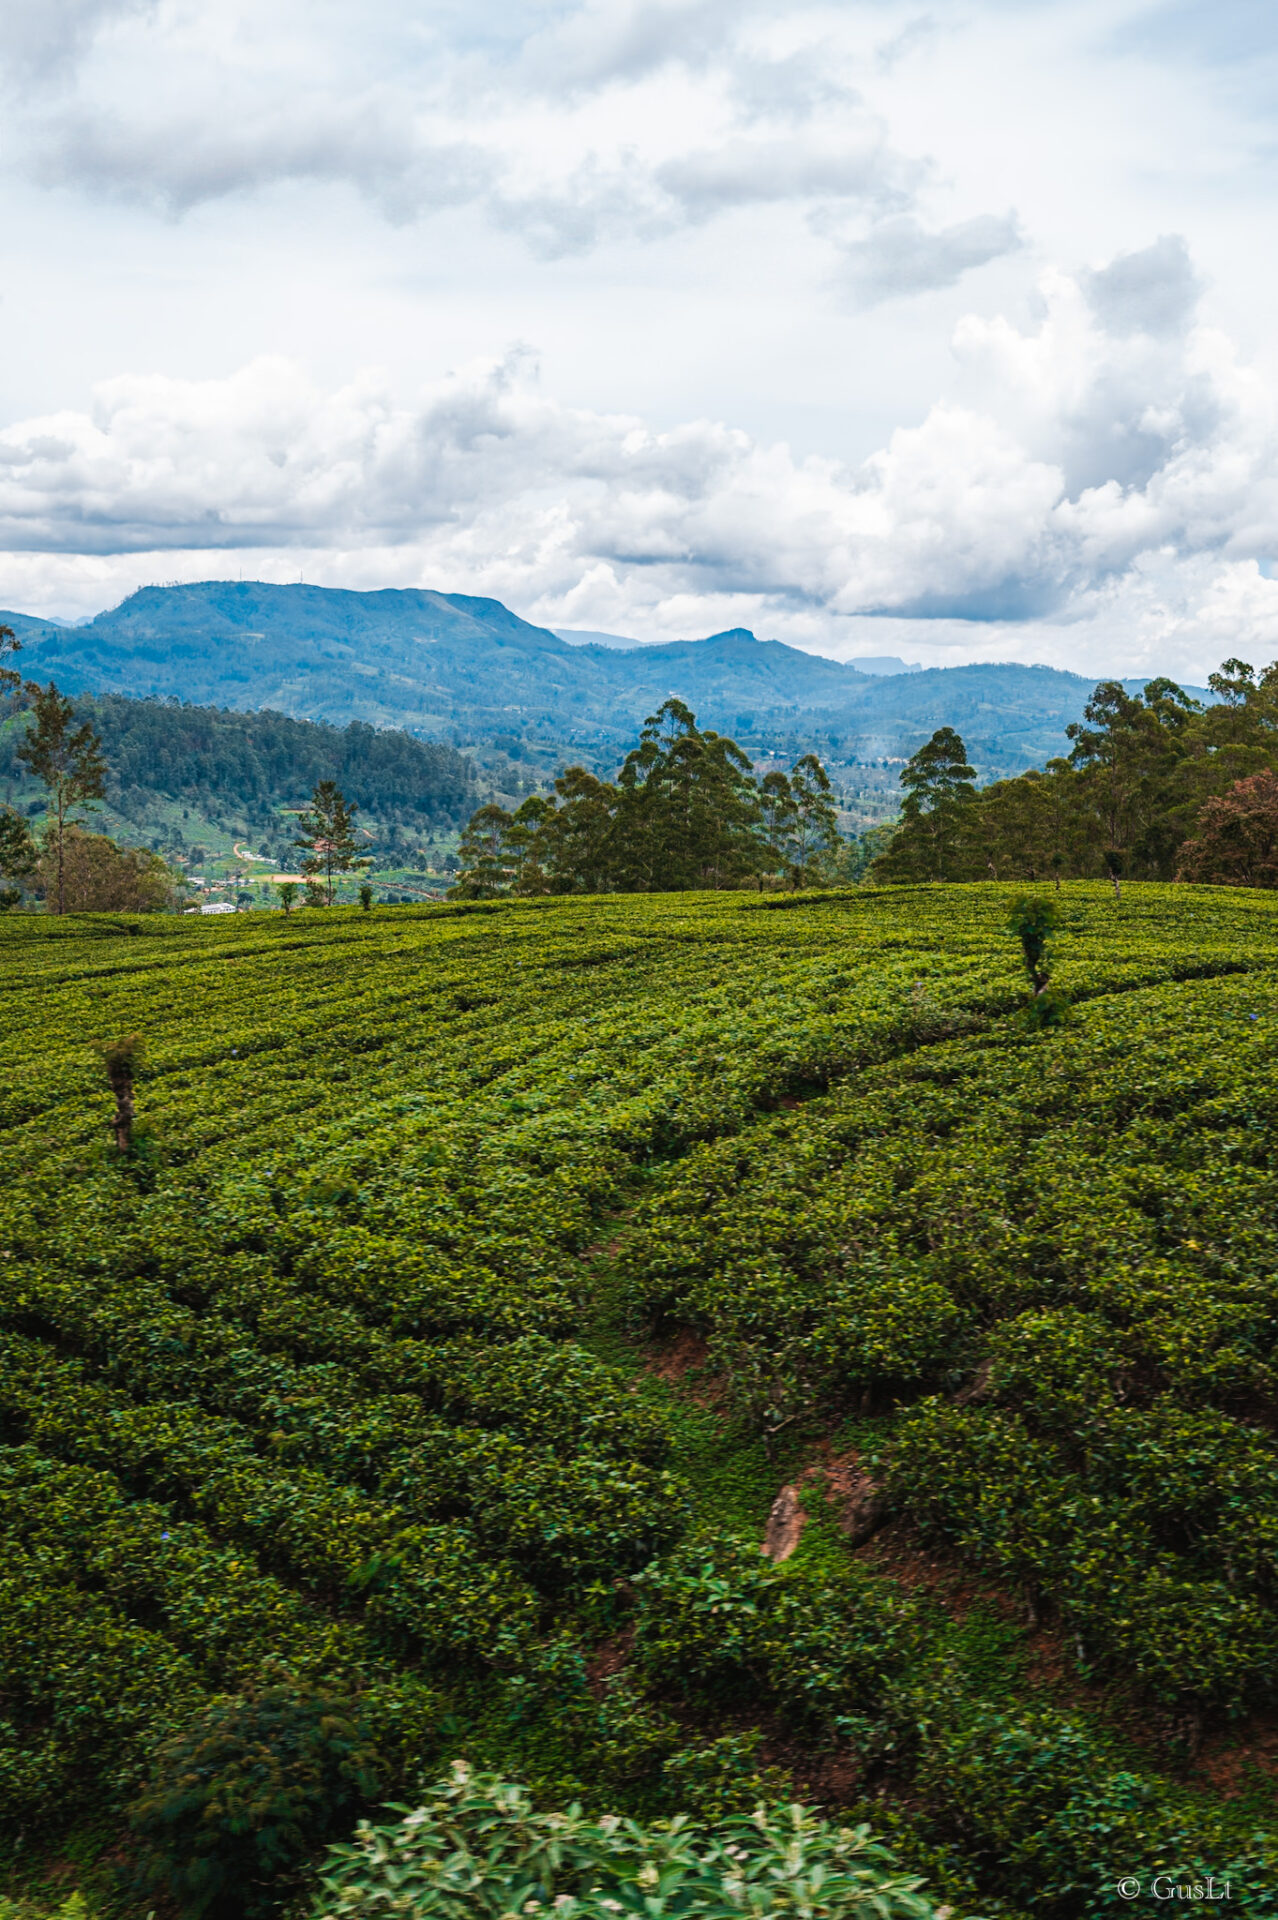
(946, 330)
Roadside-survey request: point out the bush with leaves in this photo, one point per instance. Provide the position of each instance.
(478, 1847)
(97, 876)
(717, 1621)
(246, 1793)
(1052, 1823)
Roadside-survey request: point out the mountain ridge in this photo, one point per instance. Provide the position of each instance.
(467, 670)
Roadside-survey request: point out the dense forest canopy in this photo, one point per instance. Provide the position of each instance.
(685, 811)
(1153, 784)
(250, 765)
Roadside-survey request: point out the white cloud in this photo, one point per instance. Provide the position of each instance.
(742, 173)
(593, 519)
(368, 143)
(790, 86)
(1153, 291)
(703, 211)
(578, 137)
(900, 256)
(605, 43)
(41, 40)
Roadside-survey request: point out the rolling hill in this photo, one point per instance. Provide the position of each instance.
(465, 670)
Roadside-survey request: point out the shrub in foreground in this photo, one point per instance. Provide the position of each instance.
(477, 1847)
(247, 1792)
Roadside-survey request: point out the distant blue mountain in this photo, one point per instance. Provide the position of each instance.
(587, 637)
(883, 663)
(875, 663)
(462, 669)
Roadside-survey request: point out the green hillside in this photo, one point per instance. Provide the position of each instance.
(466, 670)
(192, 781)
(487, 1284)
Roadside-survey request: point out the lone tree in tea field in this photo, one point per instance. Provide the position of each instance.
(1034, 921)
(68, 759)
(327, 835)
(121, 1058)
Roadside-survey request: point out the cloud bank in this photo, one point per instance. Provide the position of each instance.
(617, 121)
(1112, 463)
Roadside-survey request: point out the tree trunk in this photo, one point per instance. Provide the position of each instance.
(122, 1087)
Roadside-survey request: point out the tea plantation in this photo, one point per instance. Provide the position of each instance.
(349, 1421)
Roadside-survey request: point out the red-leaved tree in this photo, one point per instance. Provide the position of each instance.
(1236, 844)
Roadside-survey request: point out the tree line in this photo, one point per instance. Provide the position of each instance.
(75, 870)
(685, 811)
(82, 872)
(1156, 785)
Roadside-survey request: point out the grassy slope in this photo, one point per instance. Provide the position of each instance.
(295, 1041)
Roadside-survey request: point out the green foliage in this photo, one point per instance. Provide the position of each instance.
(1053, 1823)
(243, 1796)
(477, 1847)
(17, 853)
(716, 1621)
(1034, 919)
(326, 833)
(939, 793)
(68, 760)
(10, 678)
(235, 769)
(89, 873)
(685, 812)
(482, 853)
(950, 1213)
(74, 1907)
(310, 1408)
(1156, 785)
(1235, 836)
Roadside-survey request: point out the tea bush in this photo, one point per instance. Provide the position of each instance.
(240, 1798)
(477, 1846)
(306, 1401)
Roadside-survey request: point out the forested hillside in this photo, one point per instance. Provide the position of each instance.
(174, 772)
(465, 670)
(479, 1289)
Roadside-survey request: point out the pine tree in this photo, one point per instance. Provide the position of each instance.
(327, 834)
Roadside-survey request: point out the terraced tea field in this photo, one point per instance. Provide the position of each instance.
(482, 1274)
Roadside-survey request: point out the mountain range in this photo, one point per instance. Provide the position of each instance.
(468, 671)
